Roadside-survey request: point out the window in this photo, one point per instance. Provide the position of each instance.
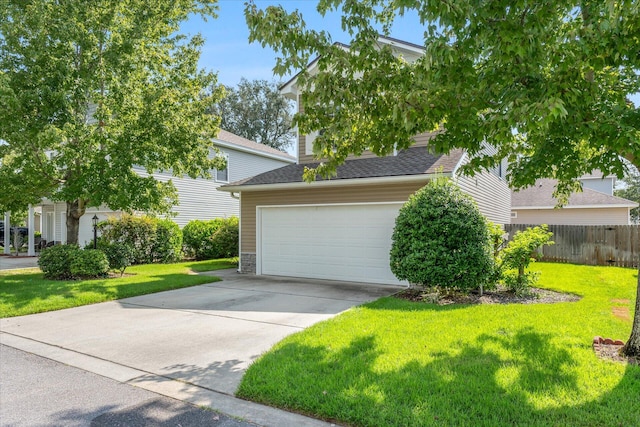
(222, 175)
(514, 214)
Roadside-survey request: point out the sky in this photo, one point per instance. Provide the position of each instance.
(228, 52)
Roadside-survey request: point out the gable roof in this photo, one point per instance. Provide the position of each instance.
(230, 140)
(412, 163)
(540, 196)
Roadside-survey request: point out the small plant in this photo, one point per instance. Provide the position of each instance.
(519, 253)
(88, 263)
(441, 239)
(119, 256)
(168, 242)
(55, 262)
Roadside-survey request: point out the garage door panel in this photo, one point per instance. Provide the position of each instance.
(342, 242)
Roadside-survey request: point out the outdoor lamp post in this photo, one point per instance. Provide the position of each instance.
(94, 220)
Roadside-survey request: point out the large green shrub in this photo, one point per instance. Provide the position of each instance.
(168, 242)
(225, 240)
(150, 239)
(441, 239)
(89, 263)
(519, 253)
(55, 262)
(216, 238)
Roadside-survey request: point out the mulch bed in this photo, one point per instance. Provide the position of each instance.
(608, 349)
(497, 296)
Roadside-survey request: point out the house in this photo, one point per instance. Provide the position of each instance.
(341, 228)
(197, 197)
(595, 205)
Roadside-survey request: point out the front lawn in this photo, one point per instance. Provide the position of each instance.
(400, 363)
(26, 292)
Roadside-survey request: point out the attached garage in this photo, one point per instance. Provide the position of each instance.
(342, 241)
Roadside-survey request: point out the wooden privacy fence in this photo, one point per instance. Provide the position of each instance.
(617, 245)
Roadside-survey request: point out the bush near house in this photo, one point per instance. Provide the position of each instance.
(63, 262)
(217, 238)
(441, 239)
(150, 239)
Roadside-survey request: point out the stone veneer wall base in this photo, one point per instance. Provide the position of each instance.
(248, 263)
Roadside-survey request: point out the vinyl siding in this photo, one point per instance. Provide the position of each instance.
(598, 184)
(310, 196)
(421, 140)
(572, 216)
(491, 193)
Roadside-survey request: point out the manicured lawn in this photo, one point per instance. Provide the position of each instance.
(26, 291)
(399, 363)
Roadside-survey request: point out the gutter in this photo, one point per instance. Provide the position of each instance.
(333, 183)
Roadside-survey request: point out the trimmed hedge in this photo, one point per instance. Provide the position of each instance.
(150, 239)
(216, 238)
(64, 262)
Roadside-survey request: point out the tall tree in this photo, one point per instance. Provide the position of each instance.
(546, 82)
(88, 91)
(631, 191)
(257, 111)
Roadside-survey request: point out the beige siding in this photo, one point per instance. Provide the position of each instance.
(490, 193)
(327, 195)
(572, 216)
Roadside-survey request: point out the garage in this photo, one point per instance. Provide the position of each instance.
(348, 242)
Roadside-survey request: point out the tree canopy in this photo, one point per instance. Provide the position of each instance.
(256, 110)
(87, 93)
(548, 83)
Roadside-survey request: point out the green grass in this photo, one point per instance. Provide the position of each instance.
(399, 363)
(27, 292)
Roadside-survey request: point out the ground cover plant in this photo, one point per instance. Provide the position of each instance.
(26, 292)
(399, 363)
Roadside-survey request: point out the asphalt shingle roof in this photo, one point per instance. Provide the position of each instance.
(541, 195)
(232, 138)
(412, 161)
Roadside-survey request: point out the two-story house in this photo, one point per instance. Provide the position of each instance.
(341, 228)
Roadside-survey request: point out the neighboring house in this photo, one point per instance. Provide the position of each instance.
(341, 228)
(198, 198)
(595, 205)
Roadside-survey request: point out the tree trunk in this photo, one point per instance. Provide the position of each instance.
(632, 347)
(75, 210)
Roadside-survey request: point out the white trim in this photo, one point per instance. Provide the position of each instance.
(514, 214)
(226, 156)
(233, 146)
(239, 232)
(334, 182)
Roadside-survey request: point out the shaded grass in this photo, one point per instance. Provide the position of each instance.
(27, 292)
(400, 363)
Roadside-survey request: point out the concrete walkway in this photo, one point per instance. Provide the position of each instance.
(191, 344)
(12, 262)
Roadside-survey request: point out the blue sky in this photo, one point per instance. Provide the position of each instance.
(227, 50)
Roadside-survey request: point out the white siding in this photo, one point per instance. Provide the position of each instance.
(490, 192)
(572, 216)
(244, 165)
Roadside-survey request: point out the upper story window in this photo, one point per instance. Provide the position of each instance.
(222, 175)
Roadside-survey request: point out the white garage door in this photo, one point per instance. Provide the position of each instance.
(341, 242)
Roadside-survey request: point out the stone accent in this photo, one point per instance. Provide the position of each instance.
(248, 262)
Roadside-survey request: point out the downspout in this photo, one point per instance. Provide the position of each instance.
(237, 197)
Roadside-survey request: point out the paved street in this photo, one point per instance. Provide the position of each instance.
(35, 391)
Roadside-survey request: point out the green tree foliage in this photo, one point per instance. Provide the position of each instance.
(547, 83)
(256, 110)
(441, 239)
(515, 258)
(89, 91)
(631, 191)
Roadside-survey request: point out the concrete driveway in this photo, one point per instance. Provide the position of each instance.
(187, 342)
(11, 262)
